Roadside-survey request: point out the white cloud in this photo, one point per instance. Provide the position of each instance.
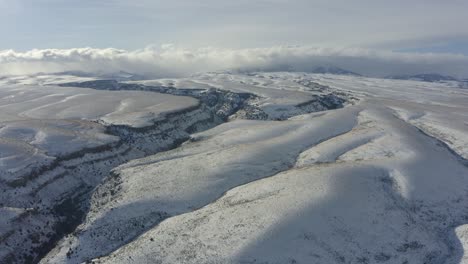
(170, 60)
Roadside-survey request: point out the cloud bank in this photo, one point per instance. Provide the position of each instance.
(172, 61)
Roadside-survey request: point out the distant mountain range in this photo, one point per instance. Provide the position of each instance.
(118, 76)
(333, 70)
(425, 77)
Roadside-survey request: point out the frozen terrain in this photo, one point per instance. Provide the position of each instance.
(57, 143)
(40, 123)
(273, 168)
(42, 79)
(279, 98)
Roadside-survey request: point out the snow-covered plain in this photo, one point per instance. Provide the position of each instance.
(382, 180)
(42, 79)
(40, 123)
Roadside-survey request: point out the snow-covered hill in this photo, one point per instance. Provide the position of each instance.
(273, 168)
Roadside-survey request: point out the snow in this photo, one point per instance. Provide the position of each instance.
(178, 181)
(27, 145)
(382, 180)
(438, 109)
(41, 79)
(136, 109)
(8, 214)
(388, 188)
(312, 215)
(333, 207)
(40, 123)
(462, 233)
(277, 95)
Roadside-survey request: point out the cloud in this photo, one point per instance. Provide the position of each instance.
(173, 61)
(230, 24)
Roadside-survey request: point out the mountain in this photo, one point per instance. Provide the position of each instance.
(425, 77)
(333, 70)
(118, 76)
(290, 68)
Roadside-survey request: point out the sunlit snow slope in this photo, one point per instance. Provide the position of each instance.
(55, 147)
(284, 180)
(382, 180)
(39, 123)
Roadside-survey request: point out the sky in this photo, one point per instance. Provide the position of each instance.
(414, 27)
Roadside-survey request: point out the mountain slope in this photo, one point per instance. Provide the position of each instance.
(424, 77)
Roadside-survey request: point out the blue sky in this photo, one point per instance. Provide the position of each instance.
(425, 26)
(181, 37)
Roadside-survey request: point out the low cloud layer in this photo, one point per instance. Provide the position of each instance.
(171, 61)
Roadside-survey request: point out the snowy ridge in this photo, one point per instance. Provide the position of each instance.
(378, 175)
(54, 194)
(382, 178)
(265, 154)
(332, 212)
